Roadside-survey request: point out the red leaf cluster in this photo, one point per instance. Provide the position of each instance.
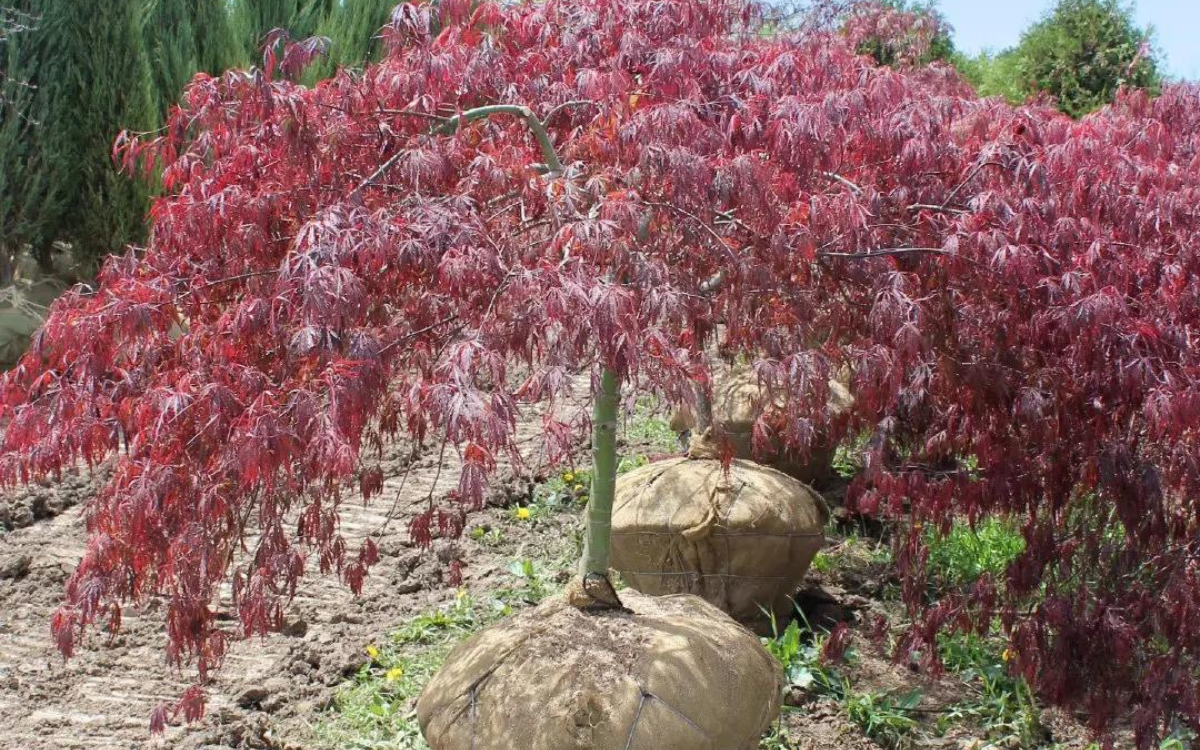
(1012, 292)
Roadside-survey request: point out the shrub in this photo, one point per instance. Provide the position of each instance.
(1083, 52)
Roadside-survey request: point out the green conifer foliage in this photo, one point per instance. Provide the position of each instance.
(218, 46)
(22, 183)
(255, 18)
(353, 29)
(171, 49)
(311, 17)
(96, 84)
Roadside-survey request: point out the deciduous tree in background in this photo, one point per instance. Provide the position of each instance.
(1081, 53)
(518, 194)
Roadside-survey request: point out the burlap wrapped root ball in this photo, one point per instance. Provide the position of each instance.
(675, 674)
(738, 400)
(741, 539)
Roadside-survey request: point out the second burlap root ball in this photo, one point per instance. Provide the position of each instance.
(738, 400)
(673, 674)
(742, 540)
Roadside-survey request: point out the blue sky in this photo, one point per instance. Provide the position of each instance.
(996, 24)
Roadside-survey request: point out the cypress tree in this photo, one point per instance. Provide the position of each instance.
(218, 47)
(257, 17)
(311, 17)
(96, 84)
(171, 49)
(353, 29)
(22, 183)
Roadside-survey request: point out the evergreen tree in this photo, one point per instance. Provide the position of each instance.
(258, 17)
(353, 29)
(1082, 52)
(218, 46)
(22, 184)
(312, 16)
(96, 83)
(171, 49)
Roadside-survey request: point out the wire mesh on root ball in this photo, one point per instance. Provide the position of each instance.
(665, 673)
(742, 539)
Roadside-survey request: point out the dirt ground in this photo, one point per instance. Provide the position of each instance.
(270, 691)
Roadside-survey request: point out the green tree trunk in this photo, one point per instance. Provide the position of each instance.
(598, 541)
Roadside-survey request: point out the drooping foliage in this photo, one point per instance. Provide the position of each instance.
(388, 253)
(1083, 52)
(92, 78)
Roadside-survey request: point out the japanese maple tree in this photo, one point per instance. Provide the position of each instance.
(517, 194)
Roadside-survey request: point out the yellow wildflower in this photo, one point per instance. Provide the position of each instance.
(372, 651)
(523, 514)
(578, 488)
(394, 674)
(568, 477)
(1007, 655)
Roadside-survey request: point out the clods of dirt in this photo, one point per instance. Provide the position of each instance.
(46, 499)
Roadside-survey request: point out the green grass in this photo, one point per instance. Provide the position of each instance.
(1001, 704)
(962, 556)
(853, 553)
(798, 651)
(886, 718)
(646, 428)
(375, 709)
(847, 456)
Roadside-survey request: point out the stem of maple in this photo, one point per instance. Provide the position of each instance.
(553, 165)
(598, 542)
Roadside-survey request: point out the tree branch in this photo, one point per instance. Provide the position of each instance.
(450, 125)
(838, 178)
(891, 251)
